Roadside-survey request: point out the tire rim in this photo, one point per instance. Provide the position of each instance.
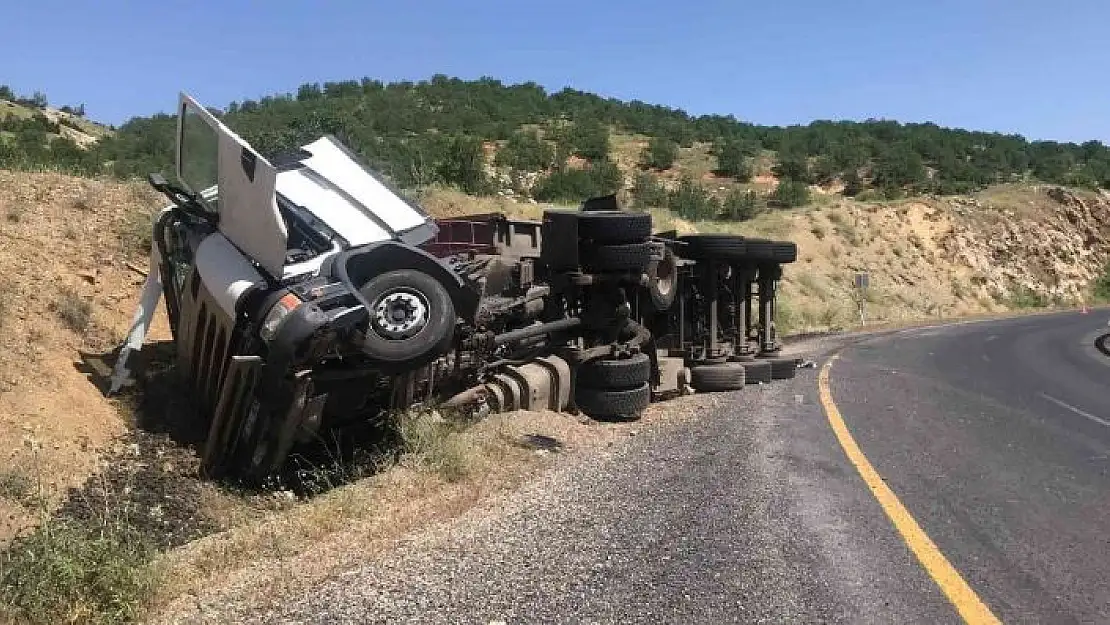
(400, 314)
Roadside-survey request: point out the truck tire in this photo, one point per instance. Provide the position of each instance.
(757, 372)
(729, 376)
(412, 318)
(615, 374)
(616, 258)
(663, 280)
(613, 403)
(785, 252)
(613, 226)
(723, 247)
(782, 368)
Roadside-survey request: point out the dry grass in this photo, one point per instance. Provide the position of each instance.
(74, 311)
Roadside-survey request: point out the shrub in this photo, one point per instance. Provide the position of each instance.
(1100, 287)
(526, 151)
(601, 178)
(73, 310)
(660, 153)
(589, 139)
(65, 572)
(733, 162)
(790, 193)
(691, 201)
(740, 205)
(647, 192)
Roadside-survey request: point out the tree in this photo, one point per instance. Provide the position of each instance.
(647, 192)
(852, 183)
(690, 200)
(898, 167)
(660, 153)
(740, 205)
(6, 93)
(526, 151)
(463, 164)
(575, 185)
(790, 193)
(589, 139)
(732, 161)
(792, 166)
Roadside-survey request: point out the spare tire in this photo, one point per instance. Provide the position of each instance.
(723, 247)
(729, 376)
(663, 280)
(609, 373)
(613, 226)
(615, 258)
(613, 403)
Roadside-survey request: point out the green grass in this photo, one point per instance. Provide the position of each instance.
(68, 572)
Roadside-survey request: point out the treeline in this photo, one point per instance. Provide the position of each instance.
(438, 131)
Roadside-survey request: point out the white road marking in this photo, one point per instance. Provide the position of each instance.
(1077, 411)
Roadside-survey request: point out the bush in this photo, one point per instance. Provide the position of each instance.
(691, 201)
(65, 572)
(526, 151)
(73, 310)
(1024, 297)
(1100, 287)
(660, 153)
(575, 185)
(463, 165)
(792, 167)
(733, 162)
(740, 205)
(647, 192)
(589, 139)
(790, 193)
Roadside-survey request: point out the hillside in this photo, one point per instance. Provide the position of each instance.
(35, 135)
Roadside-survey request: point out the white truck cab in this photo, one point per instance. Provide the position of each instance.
(272, 271)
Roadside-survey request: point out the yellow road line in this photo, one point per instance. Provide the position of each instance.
(966, 602)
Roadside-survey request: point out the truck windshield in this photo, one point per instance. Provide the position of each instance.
(199, 154)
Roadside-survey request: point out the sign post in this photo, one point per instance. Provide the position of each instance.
(862, 281)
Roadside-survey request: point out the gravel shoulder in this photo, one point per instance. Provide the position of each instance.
(736, 507)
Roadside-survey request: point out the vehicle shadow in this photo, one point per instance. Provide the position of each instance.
(159, 404)
(156, 401)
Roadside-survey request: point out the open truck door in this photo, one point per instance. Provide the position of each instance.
(234, 182)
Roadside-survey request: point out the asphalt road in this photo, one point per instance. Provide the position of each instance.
(994, 436)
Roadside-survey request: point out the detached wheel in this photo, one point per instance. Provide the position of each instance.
(615, 374)
(613, 226)
(412, 318)
(663, 280)
(723, 247)
(616, 258)
(729, 376)
(757, 371)
(613, 403)
(783, 368)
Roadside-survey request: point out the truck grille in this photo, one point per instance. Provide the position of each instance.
(205, 338)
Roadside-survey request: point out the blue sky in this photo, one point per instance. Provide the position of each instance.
(1033, 67)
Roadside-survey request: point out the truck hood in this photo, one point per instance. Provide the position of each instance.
(329, 182)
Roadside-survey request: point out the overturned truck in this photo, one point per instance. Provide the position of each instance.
(305, 294)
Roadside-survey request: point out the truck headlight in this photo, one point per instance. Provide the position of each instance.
(270, 325)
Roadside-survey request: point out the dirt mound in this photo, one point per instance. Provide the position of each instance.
(71, 256)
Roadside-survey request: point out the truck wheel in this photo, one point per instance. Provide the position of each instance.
(412, 318)
(613, 226)
(729, 376)
(615, 374)
(613, 403)
(663, 280)
(618, 257)
(783, 368)
(785, 252)
(723, 247)
(757, 372)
